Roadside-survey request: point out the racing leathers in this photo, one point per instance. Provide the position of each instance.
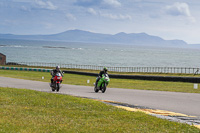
(99, 77)
(54, 72)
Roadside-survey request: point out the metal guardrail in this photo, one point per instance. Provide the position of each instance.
(181, 70)
(139, 77)
(144, 77)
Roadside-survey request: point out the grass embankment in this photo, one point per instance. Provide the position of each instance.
(75, 79)
(32, 111)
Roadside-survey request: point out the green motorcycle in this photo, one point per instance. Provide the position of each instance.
(102, 83)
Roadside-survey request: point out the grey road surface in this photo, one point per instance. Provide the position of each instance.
(186, 103)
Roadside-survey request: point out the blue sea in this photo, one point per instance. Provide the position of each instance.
(112, 55)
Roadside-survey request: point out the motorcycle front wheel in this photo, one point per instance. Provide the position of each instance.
(104, 88)
(58, 86)
(53, 87)
(95, 89)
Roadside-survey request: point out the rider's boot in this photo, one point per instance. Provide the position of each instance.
(51, 82)
(97, 82)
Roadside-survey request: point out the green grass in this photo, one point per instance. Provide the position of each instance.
(28, 111)
(76, 79)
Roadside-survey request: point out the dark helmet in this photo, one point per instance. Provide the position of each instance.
(105, 69)
(58, 67)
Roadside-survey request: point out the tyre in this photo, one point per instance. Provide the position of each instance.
(104, 88)
(51, 86)
(58, 86)
(96, 90)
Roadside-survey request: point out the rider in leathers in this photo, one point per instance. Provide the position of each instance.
(100, 75)
(54, 72)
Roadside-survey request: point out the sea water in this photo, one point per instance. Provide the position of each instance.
(115, 55)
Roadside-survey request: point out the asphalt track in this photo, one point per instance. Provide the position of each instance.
(184, 103)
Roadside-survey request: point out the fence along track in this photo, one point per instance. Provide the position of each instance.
(139, 77)
(181, 70)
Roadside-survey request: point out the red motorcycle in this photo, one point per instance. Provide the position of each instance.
(57, 80)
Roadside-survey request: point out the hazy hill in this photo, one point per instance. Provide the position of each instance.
(85, 36)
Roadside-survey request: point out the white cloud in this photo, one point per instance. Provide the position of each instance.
(92, 11)
(113, 3)
(98, 3)
(22, 1)
(24, 8)
(48, 25)
(51, 6)
(180, 9)
(116, 17)
(192, 19)
(46, 5)
(109, 15)
(9, 22)
(70, 16)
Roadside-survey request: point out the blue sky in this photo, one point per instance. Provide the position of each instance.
(171, 19)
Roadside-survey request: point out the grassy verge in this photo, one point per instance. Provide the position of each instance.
(75, 79)
(38, 112)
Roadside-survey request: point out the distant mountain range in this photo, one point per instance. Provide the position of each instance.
(90, 37)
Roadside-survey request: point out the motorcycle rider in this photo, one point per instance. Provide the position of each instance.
(54, 72)
(104, 71)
